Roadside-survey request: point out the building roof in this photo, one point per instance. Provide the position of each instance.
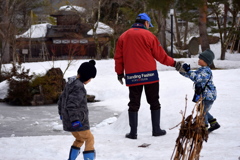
(68, 10)
(102, 29)
(35, 31)
(72, 8)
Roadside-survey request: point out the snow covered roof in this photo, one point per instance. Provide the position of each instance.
(71, 7)
(102, 29)
(40, 30)
(35, 31)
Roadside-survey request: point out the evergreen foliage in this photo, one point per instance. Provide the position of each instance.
(189, 10)
(19, 86)
(163, 6)
(24, 88)
(49, 86)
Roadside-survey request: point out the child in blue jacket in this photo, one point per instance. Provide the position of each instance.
(202, 79)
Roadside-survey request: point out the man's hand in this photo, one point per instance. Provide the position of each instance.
(182, 67)
(120, 78)
(178, 65)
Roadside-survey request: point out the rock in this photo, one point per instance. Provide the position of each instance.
(90, 98)
(38, 99)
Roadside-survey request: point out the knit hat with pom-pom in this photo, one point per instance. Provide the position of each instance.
(87, 70)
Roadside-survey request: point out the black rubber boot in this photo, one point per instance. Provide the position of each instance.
(133, 122)
(213, 125)
(156, 130)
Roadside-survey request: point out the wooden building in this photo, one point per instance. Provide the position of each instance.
(70, 37)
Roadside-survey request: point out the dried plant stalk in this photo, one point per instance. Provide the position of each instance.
(192, 133)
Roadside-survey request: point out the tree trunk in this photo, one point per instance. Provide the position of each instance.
(223, 48)
(6, 52)
(163, 35)
(14, 54)
(98, 56)
(162, 28)
(177, 30)
(203, 29)
(185, 35)
(5, 55)
(223, 51)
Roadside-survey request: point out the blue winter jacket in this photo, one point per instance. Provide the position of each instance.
(202, 75)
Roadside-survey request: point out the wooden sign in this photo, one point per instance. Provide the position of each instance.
(24, 51)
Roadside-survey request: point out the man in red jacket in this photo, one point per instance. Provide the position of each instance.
(135, 60)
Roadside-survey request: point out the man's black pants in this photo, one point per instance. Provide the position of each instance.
(152, 96)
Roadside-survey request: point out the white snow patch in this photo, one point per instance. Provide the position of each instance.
(4, 89)
(72, 8)
(102, 29)
(35, 31)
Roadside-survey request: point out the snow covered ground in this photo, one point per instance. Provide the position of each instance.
(110, 143)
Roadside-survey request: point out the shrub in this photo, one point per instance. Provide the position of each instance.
(19, 86)
(49, 86)
(26, 90)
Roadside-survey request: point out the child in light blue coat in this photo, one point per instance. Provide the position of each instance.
(202, 79)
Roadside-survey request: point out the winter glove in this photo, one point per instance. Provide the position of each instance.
(198, 91)
(76, 124)
(186, 67)
(61, 117)
(178, 65)
(120, 77)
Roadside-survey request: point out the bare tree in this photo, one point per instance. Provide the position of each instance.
(161, 9)
(72, 50)
(161, 27)
(226, 29)
(12, 15)
(8, 10)
(177, 29)
(95, 26)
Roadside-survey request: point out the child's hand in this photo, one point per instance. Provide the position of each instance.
(76, 124)
(186, 67)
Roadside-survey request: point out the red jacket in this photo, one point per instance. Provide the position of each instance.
(136, 53)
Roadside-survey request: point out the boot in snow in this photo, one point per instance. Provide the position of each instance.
(156, 130)
(74, 152)
(133, 122)
(89, 155)
(213, 125)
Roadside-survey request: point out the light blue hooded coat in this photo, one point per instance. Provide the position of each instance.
(202, 75)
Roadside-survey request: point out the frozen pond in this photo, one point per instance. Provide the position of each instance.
(40, 120)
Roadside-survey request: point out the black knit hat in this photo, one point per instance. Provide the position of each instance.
(207, 56)
(87, 70)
